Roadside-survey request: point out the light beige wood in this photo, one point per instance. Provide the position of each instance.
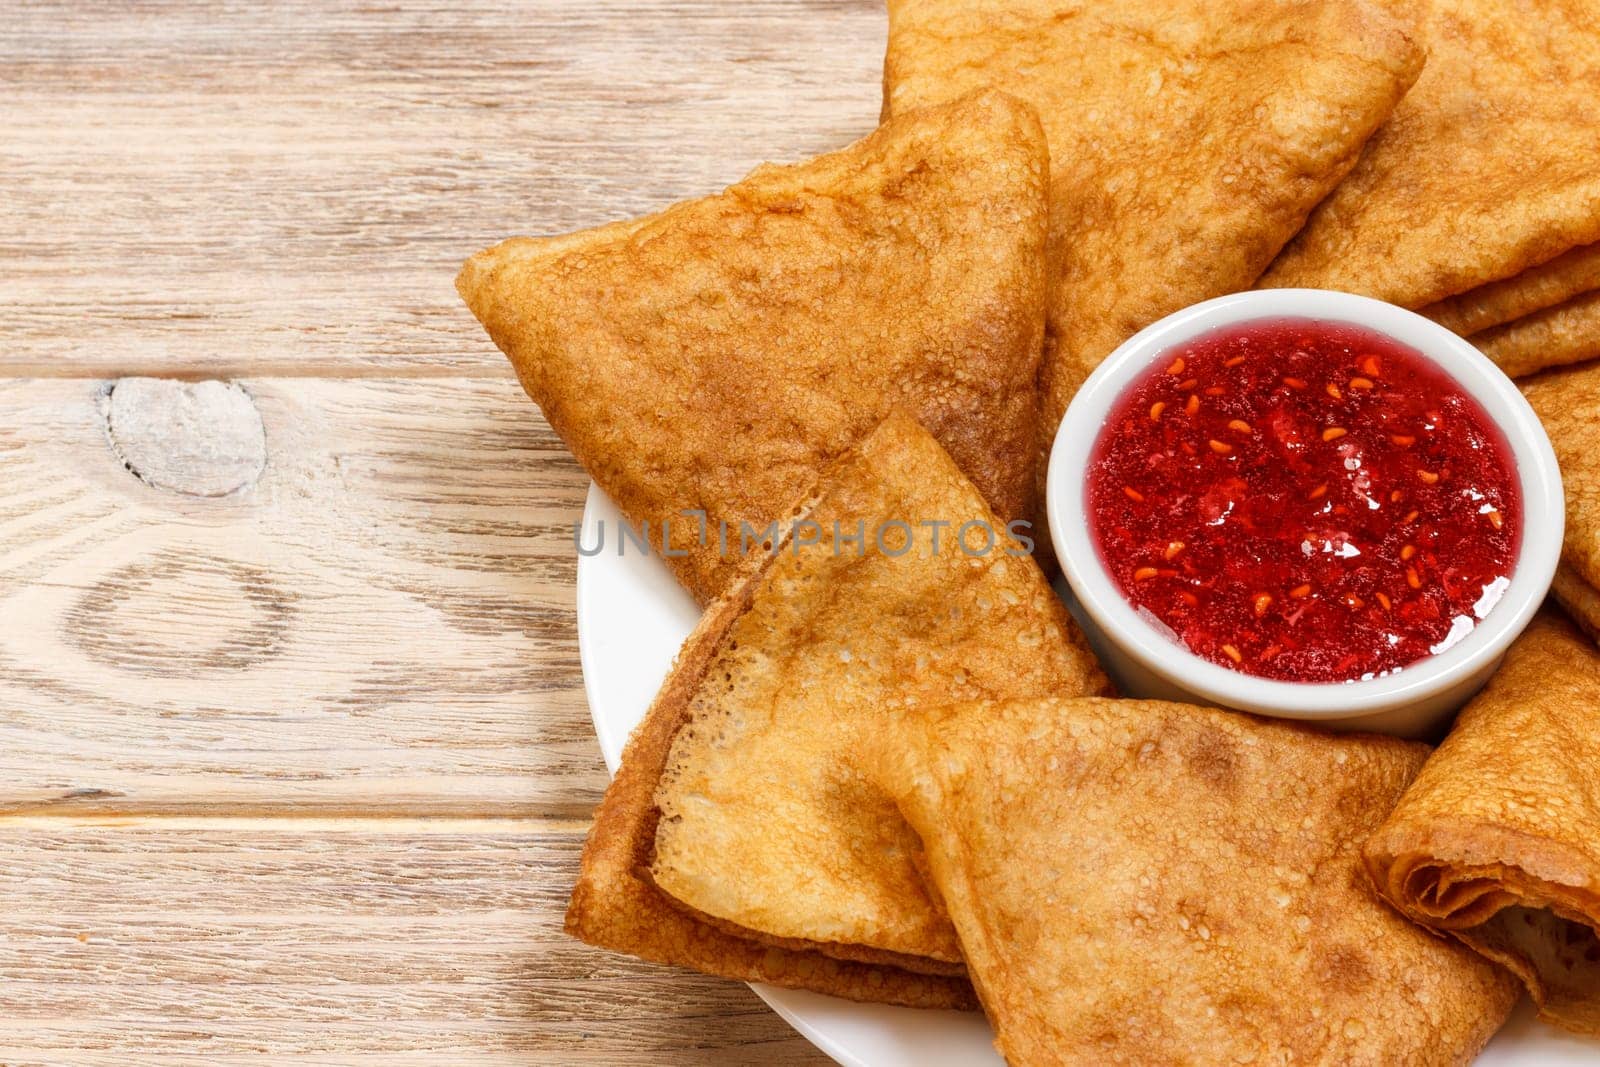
(380, 621)
(294, 756)
(332, 943)
(289, 187)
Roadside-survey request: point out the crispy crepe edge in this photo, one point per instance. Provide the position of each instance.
(1493, 304)
(1580, 599)
(1568, 332)
(615, 906)
(1413, 864)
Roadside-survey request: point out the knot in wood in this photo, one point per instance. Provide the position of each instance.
(196, 438)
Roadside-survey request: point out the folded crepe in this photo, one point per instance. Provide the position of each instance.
(1141, 882)
(1188, 140)
(705, 363)
(1488, 167)
(1497, 842)
(738, 837)
(1568, 275)
(1567, 401)
(1566, 333)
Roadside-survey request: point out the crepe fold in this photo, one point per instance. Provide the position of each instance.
(1569, 275)
(1488, 167)
(1188, 140)
(1567, 401)
(739, 837)
(1141, 882)
(1566, 333)
(705, 363)
(1497, 842)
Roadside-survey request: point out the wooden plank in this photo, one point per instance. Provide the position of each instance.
(381, 621)
(273, 188)
(319, 941)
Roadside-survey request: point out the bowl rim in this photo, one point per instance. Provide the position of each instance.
(1538, 477)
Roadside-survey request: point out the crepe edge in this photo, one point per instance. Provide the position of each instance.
(1572, 273)
(1499, 870)
(1556, 336)
(1578, 598)
(615, 906)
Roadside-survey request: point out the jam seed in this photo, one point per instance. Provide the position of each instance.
(1144, 574)
(1193, 405)
(1301, 591)
(1219, 448)
(1407, 552)
(1333, 433)
(1173, 548)
(1187, 384)
(1404, 440)
(1234, 362)
(1353, 602)
(1295, 383)
(1411, 517)
(1189, 598)
(1494, 519)
(1333, 391)
(1384, 600)
(1369, 366)
(1261, 603)
(1214, 390)
(1156, 409)
(1396, 496)
(1319, 492)
(1232, 653)
(1412, 578)
(1428, 477)
(1176, 367)
(1133, 494)
(1361, 383)
(1239, 426)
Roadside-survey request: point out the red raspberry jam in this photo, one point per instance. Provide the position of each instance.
(1305, 501)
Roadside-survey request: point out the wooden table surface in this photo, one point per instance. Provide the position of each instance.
(295, 763)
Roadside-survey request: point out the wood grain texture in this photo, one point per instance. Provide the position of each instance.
(382, 621)
(231, 683)
(335, 943)
(288, 188)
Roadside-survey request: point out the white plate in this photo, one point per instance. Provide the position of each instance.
(632, 616)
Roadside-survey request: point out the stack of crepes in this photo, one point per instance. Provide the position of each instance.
(882, 341)
(1478, 203)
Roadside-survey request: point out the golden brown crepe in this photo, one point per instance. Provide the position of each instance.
(713, 358)
(1580, 599)
(1488, 167)
(1497, 842)
(1568, 275)
(1188, 140)
(1567, 401)
(1140, 882)
(738, 795)
(1566, 333)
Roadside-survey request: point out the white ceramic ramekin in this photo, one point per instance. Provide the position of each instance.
(1412, 702)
